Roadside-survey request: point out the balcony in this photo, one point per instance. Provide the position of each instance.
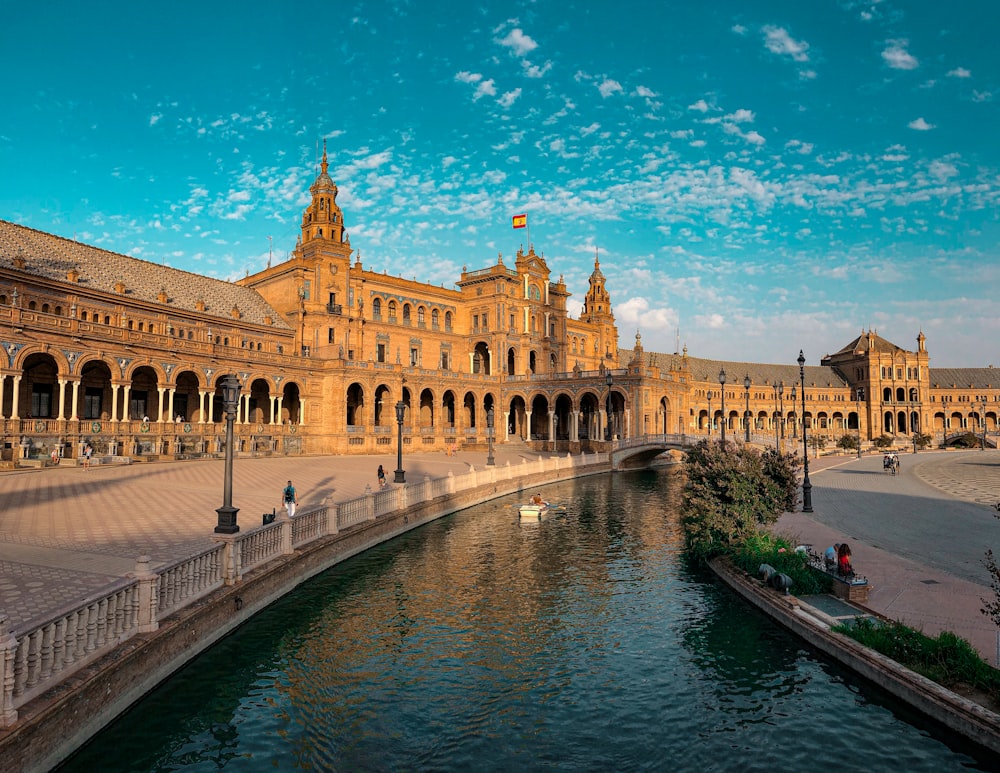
(335, 308)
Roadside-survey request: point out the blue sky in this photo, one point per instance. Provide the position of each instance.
(758, 178)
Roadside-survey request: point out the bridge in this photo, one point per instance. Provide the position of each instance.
(638, 451)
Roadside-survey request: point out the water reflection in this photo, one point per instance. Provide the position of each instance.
(582, 642)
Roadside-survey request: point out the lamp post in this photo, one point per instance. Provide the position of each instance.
(710, 417)
(807, 502)
(227, 513)
(607, 429)
(982, 420)
(795, 424)
(857, 397)
(489, 437)
(400, 414)
(781, 415)
(746, 410)
(722, 383)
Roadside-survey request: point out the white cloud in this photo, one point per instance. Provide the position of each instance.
(636, 312)
(609, 87)
(701, 106)
(485, 89)
(586, 131)
(535, 71)
(739, 29)
(778, 41)
(519, 43)
(897, 57)
(741, 116)
(920, 125)
(509, 98)
(154, 119)
(959, 72)
(642, 91)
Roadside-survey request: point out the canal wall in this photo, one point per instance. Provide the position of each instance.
(66, 677)
(960, 715)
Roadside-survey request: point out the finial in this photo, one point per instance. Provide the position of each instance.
(323, 163)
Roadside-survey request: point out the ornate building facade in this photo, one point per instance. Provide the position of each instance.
(129, 356)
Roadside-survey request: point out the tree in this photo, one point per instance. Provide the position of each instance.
(817, 443)
(848, 442)
(883, 441)
(992, 608)
(967, 440)
(732, 491)
(922, 440)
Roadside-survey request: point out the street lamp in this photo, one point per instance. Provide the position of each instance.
(857, 396)
(227, 513)
(982, 420)
(711, 418)
(607, 429)
(795, 423)
(722, 382)
(807, 502)
(779, 391)
(746, 411)
(400, 414)
(489, 437)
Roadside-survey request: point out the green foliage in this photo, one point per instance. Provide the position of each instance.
(968, 440)
(883, 441)
(764, 548)
(731, 491)
(848, 442)
(948, 659)
(922, 440)
(992, 608)
(816, 442)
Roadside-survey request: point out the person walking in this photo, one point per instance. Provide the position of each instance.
(289, 499)
(381, 477)
(88, 452)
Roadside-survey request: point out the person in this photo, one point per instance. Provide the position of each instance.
(381, 477)
(54, 455)
(537, 500)
(88, 452)
(289, 499)
(830, 556)
(844, 568)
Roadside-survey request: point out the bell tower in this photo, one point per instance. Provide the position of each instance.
(323, 230)
(597, 312)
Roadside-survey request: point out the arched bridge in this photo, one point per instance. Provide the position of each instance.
(638, 451)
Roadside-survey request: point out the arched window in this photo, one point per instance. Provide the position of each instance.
(32, 306)
(392, 311)
(406, 312)
(887, 394)
(377, 308)
(447, 320)
(421, 319)
(435, 318)
(45, 308)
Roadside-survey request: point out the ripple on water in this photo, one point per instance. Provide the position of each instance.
(580, 643)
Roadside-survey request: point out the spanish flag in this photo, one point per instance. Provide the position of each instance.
(519, 221)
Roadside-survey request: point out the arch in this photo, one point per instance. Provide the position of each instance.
(448, 408)
(532, 361)
(355, 405)
(406, 314)
(144, 397)
(186, 398)
(516, 417)
(94, 395)
(376, 308)
(421, 316)
(539, 429)
(435, 319)
(914, 395)
(510, 361)
(426, 408)
(469, 410)
(447, 320)
(259, 402)
(392, 311)
(39, 393)
(291, 403)
(385, 415)
(901, 423)
(900, 394)
(563, 419)
(887, 422)
(887, 394)
(481, 359)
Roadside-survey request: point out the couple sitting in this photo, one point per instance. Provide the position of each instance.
(837, 558)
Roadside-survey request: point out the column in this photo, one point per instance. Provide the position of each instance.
(76, 400)
(627, 430)
(302, 411)
(527, 425)
(506, 426)
(3, 394)
(278, 412)
(201, 406)
(170, 403)
(211, 407)
(159, 405)
(273, 401)
(126, 392)
(246, 408)
(17, 393)
(114, 402)
(552, 425)
(62, 399)
(574, 426)
(602, 423)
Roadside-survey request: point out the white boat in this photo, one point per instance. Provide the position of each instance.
(532, 512)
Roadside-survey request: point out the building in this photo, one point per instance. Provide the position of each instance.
(128, 356)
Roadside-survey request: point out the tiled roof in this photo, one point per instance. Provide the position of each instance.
(53, 257)
(861, 343)
(760, 373)
(964, 378)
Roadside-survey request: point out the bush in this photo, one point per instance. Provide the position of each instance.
(968, 440)
(922, 440)
(883, 441)
(763, 548)
(732, 491)
(948, 659)
(848, 442)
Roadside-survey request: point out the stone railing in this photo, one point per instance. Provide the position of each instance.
(38, 655)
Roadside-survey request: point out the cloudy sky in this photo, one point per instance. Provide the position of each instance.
(757, 178)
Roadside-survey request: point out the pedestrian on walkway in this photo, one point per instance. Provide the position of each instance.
(88, 452)
(381, 477)
(289, 499)
(844, 568)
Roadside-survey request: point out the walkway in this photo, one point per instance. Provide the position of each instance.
(920, 537)
(66, 532)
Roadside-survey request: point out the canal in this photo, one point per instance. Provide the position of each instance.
(582, 642)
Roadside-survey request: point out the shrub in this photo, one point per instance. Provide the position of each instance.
(732, 491)
(883, 441)
(948, 659)
(848, 442)
(763, 548)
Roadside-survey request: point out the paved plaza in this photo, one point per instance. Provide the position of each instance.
(919, 537)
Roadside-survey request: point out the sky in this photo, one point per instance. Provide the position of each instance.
(756, 177)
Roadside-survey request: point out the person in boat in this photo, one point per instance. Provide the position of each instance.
(537, 500)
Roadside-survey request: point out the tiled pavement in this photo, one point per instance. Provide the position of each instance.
(919, 537)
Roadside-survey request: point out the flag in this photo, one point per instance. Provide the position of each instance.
(519, 221)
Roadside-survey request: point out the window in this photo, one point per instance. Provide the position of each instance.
(447, 320)
(329, 335)
(444, 360)
(414, 356)
(41, 400)
(380, 352)
(435, 318)
(92, 402)
(420, 316)
(307, 286)
(392, 311)
(406, 313)
(377, 308)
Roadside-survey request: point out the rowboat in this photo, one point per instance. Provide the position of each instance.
(532, 512)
